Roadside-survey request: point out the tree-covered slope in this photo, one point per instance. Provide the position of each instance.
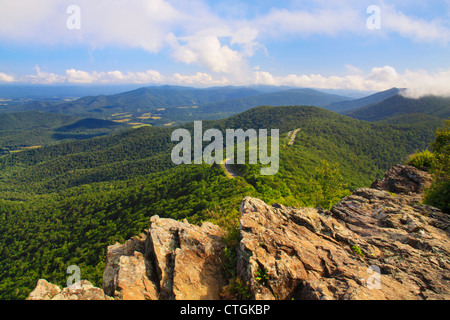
(360, 145)
(348, 106)
(399, 105)
(293, 97)
(33, 129)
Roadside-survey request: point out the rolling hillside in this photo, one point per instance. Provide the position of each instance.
(32, 129)
(308, 97)
(399, 105)
(145, 150)
(347, 106)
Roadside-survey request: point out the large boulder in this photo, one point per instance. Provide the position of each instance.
(404, 179)
(371, 245)
(44, 291)
(174, 260)
(186, 259)
(125, 275)
(82, 290)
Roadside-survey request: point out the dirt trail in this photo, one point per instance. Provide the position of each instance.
(226, 165)
(294, 135)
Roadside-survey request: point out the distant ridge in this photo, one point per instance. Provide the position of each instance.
(398, 105)
(160, 105)
(346, 106)
(309, 97)
(88, 123)
(33, 119)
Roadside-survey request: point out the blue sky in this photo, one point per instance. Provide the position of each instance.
(305, 43)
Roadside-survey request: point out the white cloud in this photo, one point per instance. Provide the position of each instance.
(44, 77)
(414, 28)
(326, 20)
(418, 82)
(207, 51)
(136, 24)
(79, 76)
(197, 79)
(6, 77)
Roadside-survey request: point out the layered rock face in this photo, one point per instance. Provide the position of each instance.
(373, 244)
(173, 260)
(405, 180)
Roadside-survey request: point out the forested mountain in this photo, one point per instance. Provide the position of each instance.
(399, 105)
(63, 204)
(346, 106)
(170, 105)
(147, 149)
(33, 129)
(308, 97)
(33, 120)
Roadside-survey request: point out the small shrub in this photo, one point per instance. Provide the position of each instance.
(229, 259)
(422, 160)
(261, 276)
(438, 195)
(236, 289)
(357, 250)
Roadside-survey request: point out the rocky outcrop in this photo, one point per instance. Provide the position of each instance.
(173, 260)
(405, 180)
(125, 274)
(373, 244)
(82, 290)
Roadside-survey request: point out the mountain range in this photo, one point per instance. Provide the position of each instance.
(169, 105)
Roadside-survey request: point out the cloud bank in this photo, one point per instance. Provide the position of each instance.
(418, 82)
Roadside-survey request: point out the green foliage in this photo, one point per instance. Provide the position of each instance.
(438, 194)
(237, 289)
(261, 276)
(229, 259)
(422, 160)
(357, 250)
(327, 186)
